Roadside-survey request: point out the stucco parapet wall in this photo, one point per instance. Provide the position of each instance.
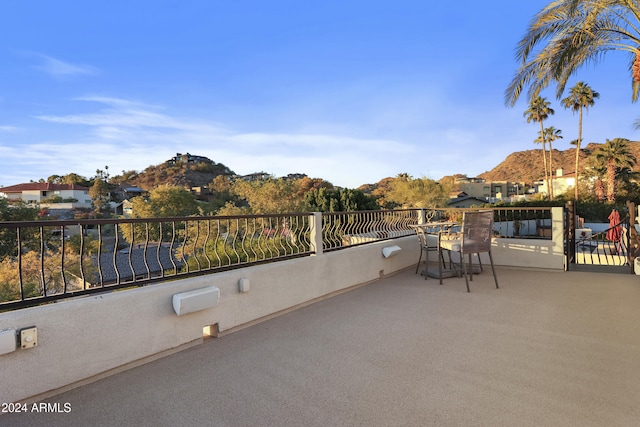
(88, 336)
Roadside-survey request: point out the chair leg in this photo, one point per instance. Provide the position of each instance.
(464, 271)
(419, 259)
(493, 270)
(471, 267)
(426, 264)
(440, 265)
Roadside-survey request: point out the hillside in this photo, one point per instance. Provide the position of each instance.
(527, 166)
(180, 174)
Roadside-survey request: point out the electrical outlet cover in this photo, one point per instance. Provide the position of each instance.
(29, 337)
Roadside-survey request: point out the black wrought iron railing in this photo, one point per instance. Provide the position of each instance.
(609, 247)
(524, 223)
(44, 261)
(345, 229)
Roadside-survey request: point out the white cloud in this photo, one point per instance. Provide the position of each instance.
(130, 135)
(9, 129)
(59, 69)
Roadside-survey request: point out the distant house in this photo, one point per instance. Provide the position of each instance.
(256, 176)
(294, 176)
(126, 191)
(48, 194)
(561, 182)
(187, 158)
(466, 202)
(491, 189)
(463, 179)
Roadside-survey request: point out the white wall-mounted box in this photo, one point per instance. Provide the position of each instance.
(196, 300)
(7, 341)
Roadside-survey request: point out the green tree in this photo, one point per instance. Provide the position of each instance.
(581, 97)
(617, 160)
(569, 34)
(319, 199)
(222, 194)
(408, 192)
(18, 211)
(165, 201)
(14, 212)
(342, 200)
(74, 178)
(271, 195)
(538, 111)
(100, 196)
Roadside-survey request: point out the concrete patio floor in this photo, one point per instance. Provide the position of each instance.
(546, 349)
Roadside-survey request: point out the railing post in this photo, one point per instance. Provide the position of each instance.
(570, 233)
(633, 239)
(422, 216)
(315, 228)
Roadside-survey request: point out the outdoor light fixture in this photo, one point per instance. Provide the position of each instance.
(389, 251)
(196, 300)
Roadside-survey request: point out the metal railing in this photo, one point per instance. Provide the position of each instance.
(345, 229)
(522, 223)
(609, 247)
(42, 261)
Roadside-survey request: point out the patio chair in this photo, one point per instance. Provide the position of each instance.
(475, 238)
(428, 243)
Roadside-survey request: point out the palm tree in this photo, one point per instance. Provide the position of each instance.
(538, 112)
(615, 157)
(581, 96)
(568, 34)
(541, 140)
(551, 134)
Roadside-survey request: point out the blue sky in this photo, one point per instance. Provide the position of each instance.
(350, 91)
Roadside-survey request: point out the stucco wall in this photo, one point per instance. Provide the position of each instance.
(81, 338)
(537, 253)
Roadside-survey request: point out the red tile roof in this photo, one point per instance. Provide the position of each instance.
(40, 186)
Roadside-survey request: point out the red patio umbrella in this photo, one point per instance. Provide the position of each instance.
(614, 233)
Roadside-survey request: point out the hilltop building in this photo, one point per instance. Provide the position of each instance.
(188, 158)
(256, 176)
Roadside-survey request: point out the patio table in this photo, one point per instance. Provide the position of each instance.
(430, 234)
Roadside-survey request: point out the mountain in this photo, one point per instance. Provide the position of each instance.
(527, 166)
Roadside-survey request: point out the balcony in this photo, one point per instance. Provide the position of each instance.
(341, 336)
(547, 348)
